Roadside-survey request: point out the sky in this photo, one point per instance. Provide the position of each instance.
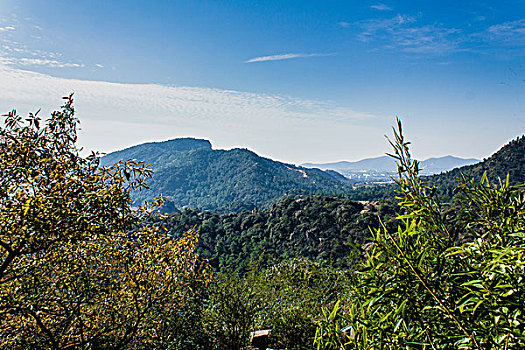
(296, 81)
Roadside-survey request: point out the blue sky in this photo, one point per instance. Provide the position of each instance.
(296, 81)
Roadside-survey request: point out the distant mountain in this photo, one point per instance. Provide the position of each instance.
(510, 159)
(446, 163)
(383, 167)
(377, 164)
(192, 174)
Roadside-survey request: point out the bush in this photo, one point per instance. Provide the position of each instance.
(435, 285)
(295, 291)
(77, 267)
(232, 310)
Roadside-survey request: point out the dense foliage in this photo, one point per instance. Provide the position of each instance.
(432, 285)
(77, 270)
(190, 174)
(285, 298)
(318, 228)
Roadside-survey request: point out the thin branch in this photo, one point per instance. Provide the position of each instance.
(44, 329)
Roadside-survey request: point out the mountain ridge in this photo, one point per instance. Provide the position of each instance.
(190, 173)
(156, 149)
(509, 159)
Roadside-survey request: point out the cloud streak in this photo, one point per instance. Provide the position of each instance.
(16, 54)
(286, 56)
(405, 33)
(512, 32)
(42, 62)
(115, 116)
(381, 7)
(402, 32)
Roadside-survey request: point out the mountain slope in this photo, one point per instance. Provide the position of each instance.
(191, 174)
(315, 227)
(510, 159)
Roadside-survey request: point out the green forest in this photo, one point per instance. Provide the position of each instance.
(319, 228)
(427, 263)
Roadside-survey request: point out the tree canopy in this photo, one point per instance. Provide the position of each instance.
(77, 269)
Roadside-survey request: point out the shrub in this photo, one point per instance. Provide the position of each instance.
(437, 285)
(77, 268)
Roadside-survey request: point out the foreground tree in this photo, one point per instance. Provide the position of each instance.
(77, 268)
(441, 281)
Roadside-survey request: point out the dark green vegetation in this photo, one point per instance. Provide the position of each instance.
(448, 277)
(190, 174)
(319, 228)
(286, 298)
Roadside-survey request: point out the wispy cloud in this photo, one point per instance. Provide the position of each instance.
(511, 32)
(381, 7)
(402, 32)
(17, 49)
(406, 33)
(119, 115)
(375, 28)
(505, 39)
(286, 56)
(26, 62)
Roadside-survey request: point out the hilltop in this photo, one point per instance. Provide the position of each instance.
(190, 173)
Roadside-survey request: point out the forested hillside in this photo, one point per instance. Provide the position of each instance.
(510, 159)
(191, 174)
(83, 269)
(318, 228)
